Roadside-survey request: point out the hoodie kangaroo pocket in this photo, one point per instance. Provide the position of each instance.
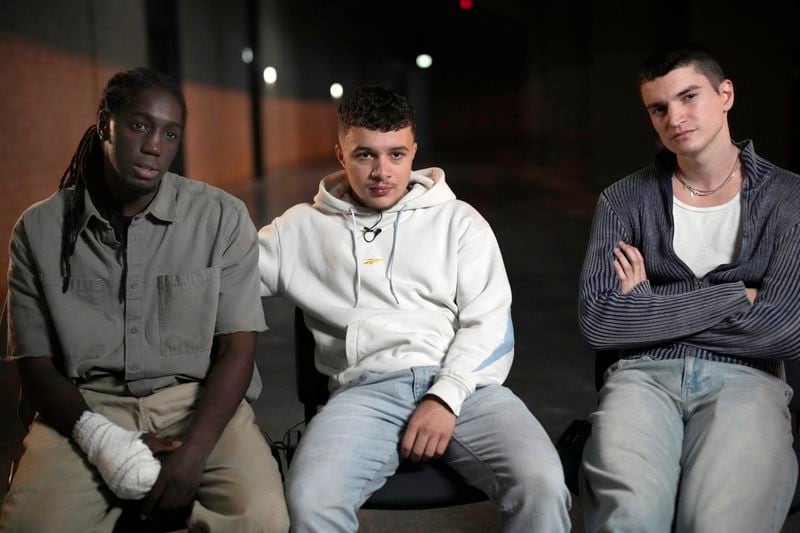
(422, 338)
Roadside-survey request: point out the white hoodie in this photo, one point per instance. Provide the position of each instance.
(430, 289)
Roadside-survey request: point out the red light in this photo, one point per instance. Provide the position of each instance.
(465, 4)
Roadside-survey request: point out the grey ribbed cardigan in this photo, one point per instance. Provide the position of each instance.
(673, 314)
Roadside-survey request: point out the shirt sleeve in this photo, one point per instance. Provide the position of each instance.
(239, 307)
(483, 348)
(30, 328)
(611, 320)
(771, 328)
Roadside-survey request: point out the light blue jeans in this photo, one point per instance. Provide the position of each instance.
(352, 446)
(689, 446)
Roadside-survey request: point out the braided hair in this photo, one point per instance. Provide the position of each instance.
(85, 170)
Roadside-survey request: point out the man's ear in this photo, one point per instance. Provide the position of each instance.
(102, 124)
(339, 154)
(726, 91)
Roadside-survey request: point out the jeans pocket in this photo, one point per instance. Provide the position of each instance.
(626, 363)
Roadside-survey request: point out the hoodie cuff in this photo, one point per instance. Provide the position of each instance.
(452, 391)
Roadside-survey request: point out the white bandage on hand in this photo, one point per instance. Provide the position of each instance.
(124, 461)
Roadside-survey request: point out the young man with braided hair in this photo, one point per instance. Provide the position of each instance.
(135, 343)
(693, 274)
(405, 291)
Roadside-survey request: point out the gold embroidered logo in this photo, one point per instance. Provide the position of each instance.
(372, 260)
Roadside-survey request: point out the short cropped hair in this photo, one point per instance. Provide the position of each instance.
(668, 59)
(376, 108)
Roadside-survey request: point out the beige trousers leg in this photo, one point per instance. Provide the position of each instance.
(56, 489)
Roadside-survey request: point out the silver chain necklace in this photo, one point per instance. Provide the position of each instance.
(705, 192)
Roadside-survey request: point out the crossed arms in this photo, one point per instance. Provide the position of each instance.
(619, 308)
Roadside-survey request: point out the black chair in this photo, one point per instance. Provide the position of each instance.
(572, 441)
(424, 485)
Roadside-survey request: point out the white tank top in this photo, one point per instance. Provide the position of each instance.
(706, 237)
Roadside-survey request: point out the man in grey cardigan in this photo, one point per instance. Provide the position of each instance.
(693, 274)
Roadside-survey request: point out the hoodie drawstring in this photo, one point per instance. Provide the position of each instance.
(394, 247)
(355, 256)
(395, 240)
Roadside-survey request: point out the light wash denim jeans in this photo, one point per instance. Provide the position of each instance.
(689, 445)
(352, 446)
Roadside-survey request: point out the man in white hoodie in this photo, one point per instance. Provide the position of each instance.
(405, 291)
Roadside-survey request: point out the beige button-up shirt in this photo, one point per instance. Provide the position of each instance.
(192, 273)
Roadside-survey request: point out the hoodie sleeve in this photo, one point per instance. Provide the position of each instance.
(269, 259)
(483, 348)
(612, 320)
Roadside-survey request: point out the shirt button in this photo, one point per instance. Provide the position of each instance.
(134, 330)
(134, 286)
(134, 366)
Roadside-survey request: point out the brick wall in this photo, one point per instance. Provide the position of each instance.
(217, 144)
(47, 100)
(298, 131)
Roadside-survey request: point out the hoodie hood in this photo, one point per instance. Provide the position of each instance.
(427, 188)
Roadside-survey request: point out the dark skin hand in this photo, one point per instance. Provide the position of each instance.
(183, 460)
(60, 403)
(56, 398)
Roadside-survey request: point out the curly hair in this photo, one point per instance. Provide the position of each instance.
(668, 59)
(376, 108)
(85, 169)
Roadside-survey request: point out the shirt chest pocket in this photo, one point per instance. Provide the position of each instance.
(84, 328)
(187, 311)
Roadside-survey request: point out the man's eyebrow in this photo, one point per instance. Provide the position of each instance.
(689, 89)
(654, 105)
(151, 118)
(369, 149)
(660, 103)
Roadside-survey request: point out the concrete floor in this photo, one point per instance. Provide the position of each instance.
(542, 226)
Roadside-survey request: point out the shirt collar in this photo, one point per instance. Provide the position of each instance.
(163, 207)
(90, 211)
(756, 169)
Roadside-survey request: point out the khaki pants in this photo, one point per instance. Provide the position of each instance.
(56, 489)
